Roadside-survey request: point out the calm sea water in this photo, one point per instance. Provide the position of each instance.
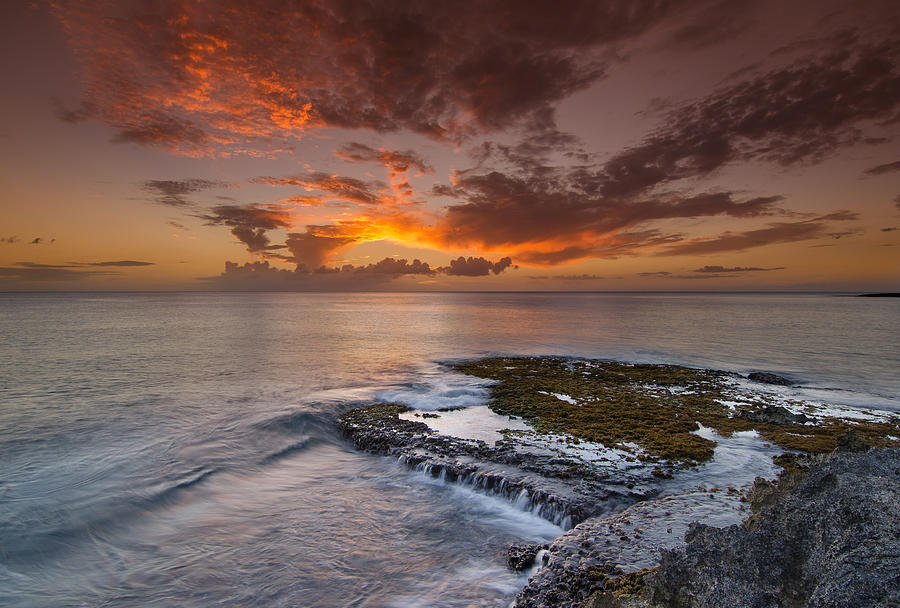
(179, 449)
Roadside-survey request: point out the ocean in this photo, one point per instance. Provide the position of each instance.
(179, 449)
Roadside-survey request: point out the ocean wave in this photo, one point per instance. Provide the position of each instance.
(438, 388)
(289, 449)
(194, 478)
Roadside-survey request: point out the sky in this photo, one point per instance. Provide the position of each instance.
(597, 145)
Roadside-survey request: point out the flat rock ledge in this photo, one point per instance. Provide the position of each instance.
(826, 534)
(543, 484)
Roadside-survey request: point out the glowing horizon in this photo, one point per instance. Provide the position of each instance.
(582, 146)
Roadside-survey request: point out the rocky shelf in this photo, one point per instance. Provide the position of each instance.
(594, 446)
(826, 534)
(558, 489)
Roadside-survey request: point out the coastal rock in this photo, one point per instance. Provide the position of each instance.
(830, 538)
(601, 437)
(590, 560)
(769, 378)
(851, 442)
(826, 534)
(551, 487)
(773, 414)
(521, 556)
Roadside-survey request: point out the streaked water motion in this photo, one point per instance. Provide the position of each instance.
(179, 449)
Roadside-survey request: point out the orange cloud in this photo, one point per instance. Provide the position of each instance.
(203, 78)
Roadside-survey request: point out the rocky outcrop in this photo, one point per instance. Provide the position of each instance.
(773, 414)
(596, 554)
(827, 534)
(829, 538)
(769, 378)
(521, 556)
(556, 489)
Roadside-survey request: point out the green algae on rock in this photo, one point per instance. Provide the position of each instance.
(657, 408)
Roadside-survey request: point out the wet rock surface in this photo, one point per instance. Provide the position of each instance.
(773, 414)
(554, 488)
(591, 557)
(831, 538)
(521, 556)
(769, 378)
(827, 534)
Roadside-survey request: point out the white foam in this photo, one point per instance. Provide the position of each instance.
(561, 397)
(816, 402)
(538, 563)
(438, 388)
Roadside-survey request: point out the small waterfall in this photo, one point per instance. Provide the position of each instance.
(540, 560)
(542, 504)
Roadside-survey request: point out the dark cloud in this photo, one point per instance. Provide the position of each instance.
(778, 232)
(256, 276)
(9, 239)
(511, 211)
(532, 152)
(174, 192)
(192, 78)
(396, 161)
(889, 229)
(249, 224)
(232, 77)
(843, 234)
(176, 225)
(395, 267)
(312, 248)
(121, 263)
(885, 168)
(158, 129)
(800, 113)
(733, 269)
(335, 186)
(544, 214)
(45, 273)
(571, 277)
(476, 267)
(709, 272)
(72, 271)
(263, 276)
(39, 241)
(710, 24)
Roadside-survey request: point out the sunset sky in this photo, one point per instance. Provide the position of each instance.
(479, 145)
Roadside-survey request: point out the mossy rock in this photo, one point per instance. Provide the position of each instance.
(656, 407)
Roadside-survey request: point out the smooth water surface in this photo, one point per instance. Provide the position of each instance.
(179, 449)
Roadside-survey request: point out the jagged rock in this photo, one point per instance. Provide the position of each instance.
(769, 378)
(773, 414)
(825, 535)
(851, 442)
(583, 563)
(830, 538)
(521, 556)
